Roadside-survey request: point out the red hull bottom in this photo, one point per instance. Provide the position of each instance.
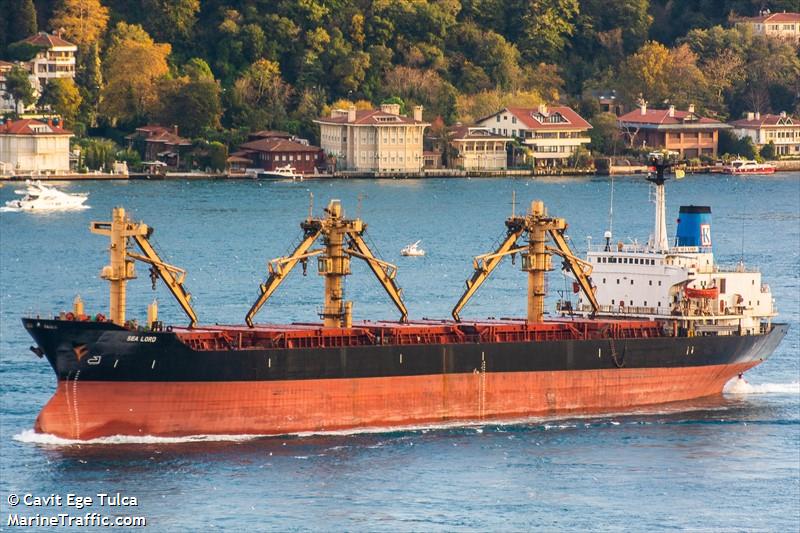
(87, 410)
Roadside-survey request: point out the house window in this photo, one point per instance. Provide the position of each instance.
(513, 120)
(498, 118)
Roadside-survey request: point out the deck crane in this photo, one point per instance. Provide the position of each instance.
(536, 259)
(120, 231)
(342, 239)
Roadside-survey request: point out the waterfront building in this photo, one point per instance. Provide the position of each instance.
(276, 152)
(552, 133)
(157, 143)
(55, 59)
(374, 140)
(781, 130)
(33, 146)
(684, 132)
(784, 25)
(7, 104)
(477, 148)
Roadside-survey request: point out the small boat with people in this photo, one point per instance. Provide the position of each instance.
(39, 197)
(413, 250)
(748, 166)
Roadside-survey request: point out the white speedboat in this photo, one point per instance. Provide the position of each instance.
(39, 197)
(284, 172)
(413, 250)
(748, 166)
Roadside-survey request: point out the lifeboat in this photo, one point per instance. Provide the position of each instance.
(711, 292)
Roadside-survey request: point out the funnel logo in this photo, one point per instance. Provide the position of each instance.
(705, 234)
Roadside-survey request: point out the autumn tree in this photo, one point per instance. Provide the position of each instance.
(83, 22)
(133, 65)
(61, 95)
(18, 85)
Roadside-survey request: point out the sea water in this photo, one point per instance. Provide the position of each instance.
(726, 463)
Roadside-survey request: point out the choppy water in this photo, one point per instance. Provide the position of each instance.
(730, 463)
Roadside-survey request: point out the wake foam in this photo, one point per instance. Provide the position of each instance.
(740, 386)
(30, 436)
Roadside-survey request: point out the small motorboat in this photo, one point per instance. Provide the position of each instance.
(284, 172)
(748, 166)
(39, 197)
(413, 250)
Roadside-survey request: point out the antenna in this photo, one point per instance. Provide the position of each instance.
(513, 203)
(611, 209)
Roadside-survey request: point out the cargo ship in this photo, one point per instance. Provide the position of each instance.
(652, 323)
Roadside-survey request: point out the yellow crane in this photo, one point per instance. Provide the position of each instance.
(536, 259)
(342, 239)
(121, 269)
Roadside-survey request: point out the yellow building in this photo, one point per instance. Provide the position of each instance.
(374, 140)
(477, 148)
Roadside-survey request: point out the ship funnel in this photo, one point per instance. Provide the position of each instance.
(694, 226)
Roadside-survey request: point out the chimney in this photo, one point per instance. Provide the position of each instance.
(175, 129)
(750, 115)
(691, 108)
(418, 113)
(783, 114)
(643, 107)
(672, 110)
(543, 109)
(351, 113)
(758, 115)
(390, 109)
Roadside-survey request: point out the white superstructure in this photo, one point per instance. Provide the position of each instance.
(681, 282)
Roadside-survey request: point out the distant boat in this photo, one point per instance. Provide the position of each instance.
(284, 172)
(39, 197)
(413, 250)
(748, 166)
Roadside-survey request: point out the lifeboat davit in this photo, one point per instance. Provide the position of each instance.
(711, 292)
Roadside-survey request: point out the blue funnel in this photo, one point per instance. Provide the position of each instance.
(694, 227)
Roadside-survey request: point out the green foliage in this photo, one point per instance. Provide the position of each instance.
(98, 154)
(732, 145)
(768, 151)
(19, 86)
(22, 51)
(22, 19)
(131, 157)
(396, 100)
(580, 158)
(193, 105)
(605, 135)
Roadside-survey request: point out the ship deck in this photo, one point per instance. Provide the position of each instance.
(427, 331)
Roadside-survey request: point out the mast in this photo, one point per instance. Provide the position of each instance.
(660, 241)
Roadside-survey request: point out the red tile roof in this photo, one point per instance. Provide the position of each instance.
(371, 117)
(774, 17)
(27, 127)
(166, 137)
(6, 64)
(475, 132)
(661, 117)
(765, 120)
(46, 40)
(528, 117)
(271, 134)
(277, 145)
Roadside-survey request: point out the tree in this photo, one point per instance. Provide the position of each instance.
(545, 27)
(605, 135)
(22, 51)
(98, 154)
(18, 85)
(133, 65)
(170, 20)
(768, 151)
(193, 105)
(197, 69)
(82, 21)
(730, 144)
(22, 19)
(260, 96)
(61, 95)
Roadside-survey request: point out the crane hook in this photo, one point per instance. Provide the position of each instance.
(153, 276)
